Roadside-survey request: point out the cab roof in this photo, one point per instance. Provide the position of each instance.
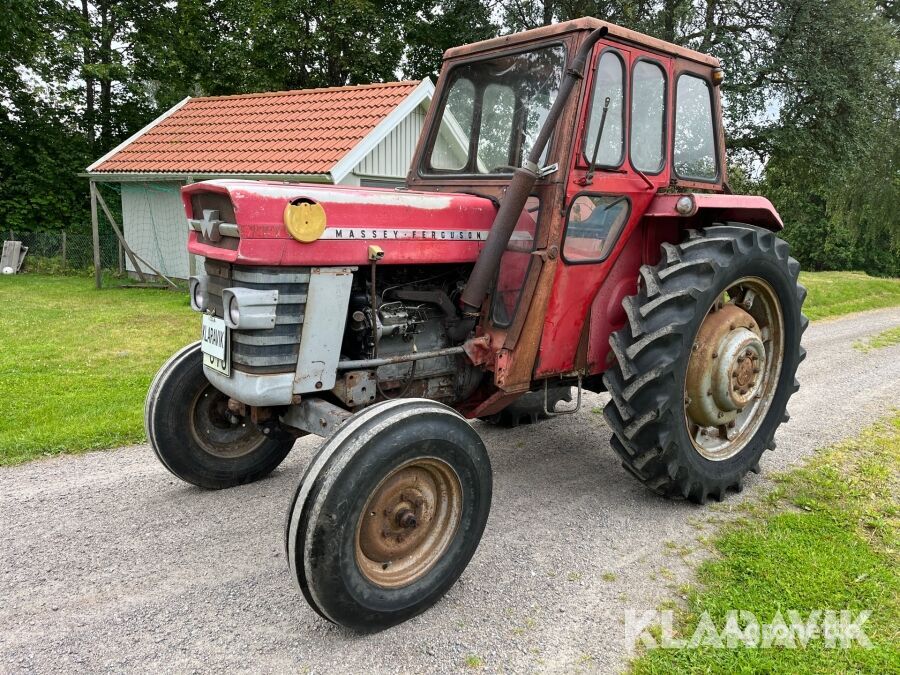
(616, 33)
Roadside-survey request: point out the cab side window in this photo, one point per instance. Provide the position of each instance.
(593, 226)
(695, 142)
(609, 83)
(648, 109)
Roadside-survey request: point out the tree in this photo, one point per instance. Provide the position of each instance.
(447, 24)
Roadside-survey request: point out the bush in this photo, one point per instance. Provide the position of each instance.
(37, 264)
(826, 246)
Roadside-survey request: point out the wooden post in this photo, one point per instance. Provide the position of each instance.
(95, 232)
(63, 250)
(115, 227)
(132, 256)
(121, 260)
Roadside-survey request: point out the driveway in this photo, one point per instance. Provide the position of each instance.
(110, 563)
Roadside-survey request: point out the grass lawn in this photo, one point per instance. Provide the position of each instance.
(827, 538)
(886, 338)
(75, 362)
(836, 293)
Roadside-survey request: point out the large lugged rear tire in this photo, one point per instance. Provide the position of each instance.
(707, 361)
(389, 513)
(194, 435)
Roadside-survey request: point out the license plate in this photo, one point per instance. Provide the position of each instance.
(214, 337)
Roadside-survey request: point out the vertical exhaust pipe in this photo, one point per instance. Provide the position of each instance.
(520, 187)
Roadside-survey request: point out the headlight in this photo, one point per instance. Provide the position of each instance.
(234, 312)
(685, 205)
(199, 292)
(249, 309)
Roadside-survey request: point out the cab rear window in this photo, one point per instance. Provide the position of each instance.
(695, 142)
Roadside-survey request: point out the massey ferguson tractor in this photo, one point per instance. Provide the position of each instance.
(566, 225)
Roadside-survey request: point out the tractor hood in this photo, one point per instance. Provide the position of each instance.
(244, 222)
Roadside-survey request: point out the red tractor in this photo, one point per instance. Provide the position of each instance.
(567, 223)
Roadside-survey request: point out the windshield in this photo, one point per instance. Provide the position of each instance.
(493, 110)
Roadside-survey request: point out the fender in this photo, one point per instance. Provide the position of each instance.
(709, 208)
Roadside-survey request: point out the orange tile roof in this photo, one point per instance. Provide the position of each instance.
(306, 131)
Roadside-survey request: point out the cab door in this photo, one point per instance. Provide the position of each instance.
(610, 184)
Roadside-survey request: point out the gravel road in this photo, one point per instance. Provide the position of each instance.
(109, 563)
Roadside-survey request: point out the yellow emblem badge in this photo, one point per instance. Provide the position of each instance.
(305, 221)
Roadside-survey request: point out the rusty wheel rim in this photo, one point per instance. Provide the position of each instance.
(217, 430)
(408, 522)
(733, 370)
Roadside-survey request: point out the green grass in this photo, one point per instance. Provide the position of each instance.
(474, 661)
(75, 362)
(828, 537)
(836, 293)
(886, 338)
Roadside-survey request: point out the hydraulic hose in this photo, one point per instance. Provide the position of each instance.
(520, 187)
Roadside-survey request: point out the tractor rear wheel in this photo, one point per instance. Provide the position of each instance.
(389, 513)
(196, 436)
(707, 361)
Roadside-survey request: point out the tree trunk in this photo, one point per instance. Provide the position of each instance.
(549, 7)
(107, 30)
(669, 7)
(709, 25)
(87, 54)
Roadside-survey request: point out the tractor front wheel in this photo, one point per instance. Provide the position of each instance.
(707, 361)
(196, 436)
(389, 513)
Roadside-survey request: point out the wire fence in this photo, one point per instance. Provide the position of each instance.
(64, 253)
(151, 217)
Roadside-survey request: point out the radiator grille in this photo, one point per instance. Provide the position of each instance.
(273, 350)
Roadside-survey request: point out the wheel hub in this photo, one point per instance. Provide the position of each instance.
(408, 522)
(218, 430)
(724, 370)
(734, 368)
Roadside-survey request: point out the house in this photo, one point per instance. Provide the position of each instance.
(357, 135)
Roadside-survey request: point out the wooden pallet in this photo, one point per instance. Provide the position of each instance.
(13, 255)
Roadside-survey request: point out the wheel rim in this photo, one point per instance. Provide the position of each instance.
(733, 370)
(408, 523)
(218, 430)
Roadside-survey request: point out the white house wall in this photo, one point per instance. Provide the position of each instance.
(156, 226)
(391, 157)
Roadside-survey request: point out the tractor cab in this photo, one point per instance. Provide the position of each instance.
(644, 117)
